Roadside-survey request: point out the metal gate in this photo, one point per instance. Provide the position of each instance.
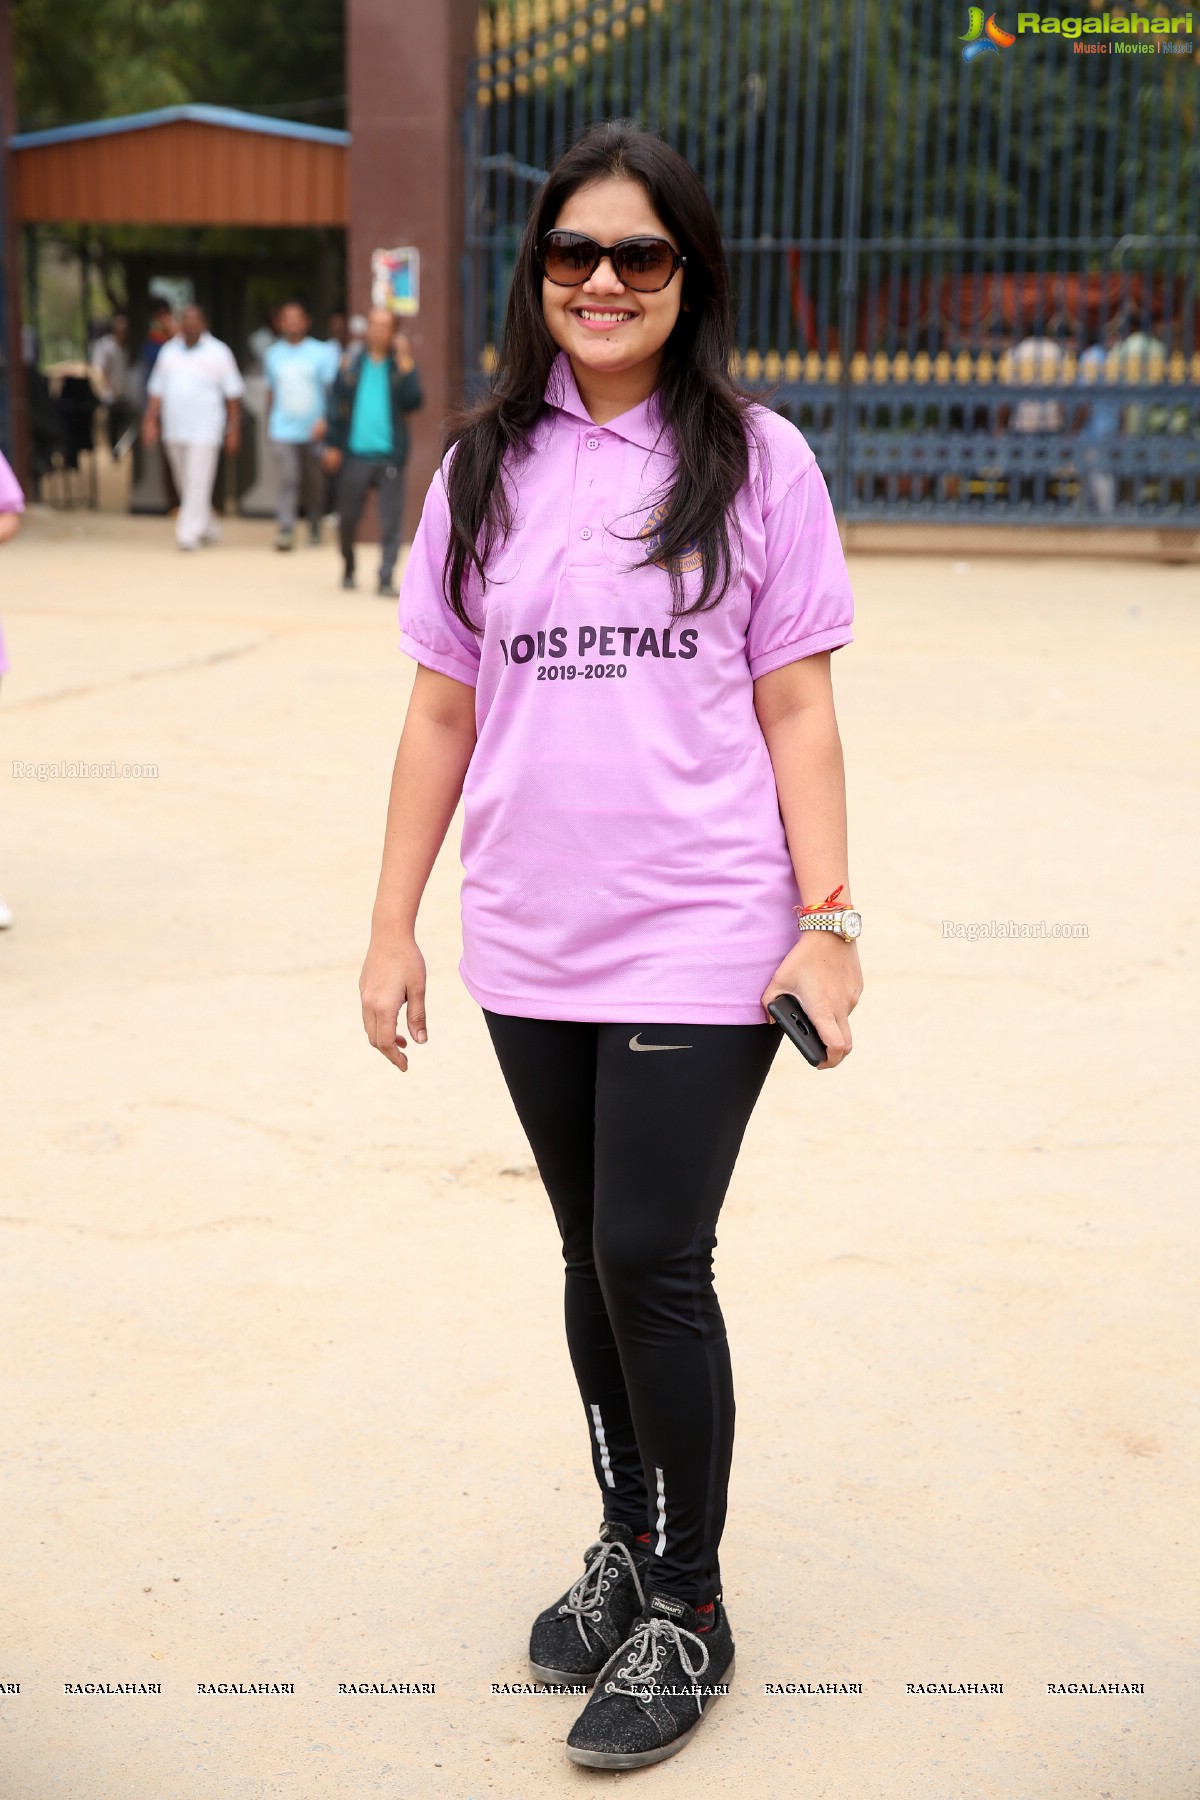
(965, 257)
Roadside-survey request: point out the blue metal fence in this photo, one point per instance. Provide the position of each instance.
(971, 281)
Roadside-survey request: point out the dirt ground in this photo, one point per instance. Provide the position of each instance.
(287, 1398)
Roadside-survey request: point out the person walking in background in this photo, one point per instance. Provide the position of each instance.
(298, 371)
(194, 406)
(161, 329)
(1141, 358)
(367, 439)
(1099, 422)
(118, 382)
(264, 335)
(1036, 361)
(337, 337)
(12, 505)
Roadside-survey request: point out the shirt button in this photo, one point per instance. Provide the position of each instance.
(593, 443)
(586, 532)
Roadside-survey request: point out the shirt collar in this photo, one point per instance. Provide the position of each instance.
(641, 425)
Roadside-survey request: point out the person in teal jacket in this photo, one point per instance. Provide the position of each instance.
(366, 439)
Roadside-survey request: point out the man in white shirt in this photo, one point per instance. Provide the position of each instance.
(194, 404)
(1036, 361)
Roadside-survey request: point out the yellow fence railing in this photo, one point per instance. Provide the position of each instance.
(1118, 370)
(520, 45)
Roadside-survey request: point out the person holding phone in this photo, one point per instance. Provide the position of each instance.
(366, 439)
(622, 597)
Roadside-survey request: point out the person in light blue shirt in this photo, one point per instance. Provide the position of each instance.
(299, 372)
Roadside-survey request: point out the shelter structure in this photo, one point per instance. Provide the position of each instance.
(395, 180)
(183, 165)
(181, 172)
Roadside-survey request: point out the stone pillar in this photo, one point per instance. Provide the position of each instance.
(406, 75)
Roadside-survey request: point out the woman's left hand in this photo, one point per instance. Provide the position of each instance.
(823, 972)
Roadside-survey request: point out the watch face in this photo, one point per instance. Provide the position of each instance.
(851, 924)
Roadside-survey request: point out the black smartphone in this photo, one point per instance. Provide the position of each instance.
(787, 1011)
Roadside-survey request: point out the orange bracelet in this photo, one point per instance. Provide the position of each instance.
(826, 905)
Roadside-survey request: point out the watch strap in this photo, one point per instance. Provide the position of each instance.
(833, 920)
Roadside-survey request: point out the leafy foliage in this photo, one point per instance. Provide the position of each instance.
(106, 58)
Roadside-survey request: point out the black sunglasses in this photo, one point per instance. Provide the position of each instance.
(645, 264)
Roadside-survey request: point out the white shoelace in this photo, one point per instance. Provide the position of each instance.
(643, 1662)
(584, 1599)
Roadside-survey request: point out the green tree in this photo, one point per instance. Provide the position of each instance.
(111, 57)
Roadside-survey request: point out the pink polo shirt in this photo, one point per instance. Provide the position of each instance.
(623, 851)
(11, 500)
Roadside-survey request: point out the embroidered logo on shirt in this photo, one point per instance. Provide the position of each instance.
(688, 560)
(634, 1045)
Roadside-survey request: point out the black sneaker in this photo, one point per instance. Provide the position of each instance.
(652, 1693)
(348, 580)
(386, 590)
(577, 1634)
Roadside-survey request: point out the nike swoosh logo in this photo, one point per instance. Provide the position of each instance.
(634, 1045)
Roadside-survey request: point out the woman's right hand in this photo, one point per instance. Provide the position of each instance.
(393, 973)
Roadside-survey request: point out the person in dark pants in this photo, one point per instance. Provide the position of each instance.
(622, 598)
(366, 439)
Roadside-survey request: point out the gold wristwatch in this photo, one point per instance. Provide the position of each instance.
(844, 920)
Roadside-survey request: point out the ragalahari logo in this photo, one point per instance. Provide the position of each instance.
(984, 38)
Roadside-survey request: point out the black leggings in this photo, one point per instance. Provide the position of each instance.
(636, 1147)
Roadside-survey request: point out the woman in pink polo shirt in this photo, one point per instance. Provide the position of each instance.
(12, 505)
(622, 598)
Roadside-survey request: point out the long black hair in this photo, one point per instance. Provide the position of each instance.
(699, 404)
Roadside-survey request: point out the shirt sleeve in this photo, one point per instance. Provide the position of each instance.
(409, 388)
(158, 377)
(12, 500)
(804, 602)
(429, 632)
(232, 385)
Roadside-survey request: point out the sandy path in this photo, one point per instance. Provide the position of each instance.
(287, 1398)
